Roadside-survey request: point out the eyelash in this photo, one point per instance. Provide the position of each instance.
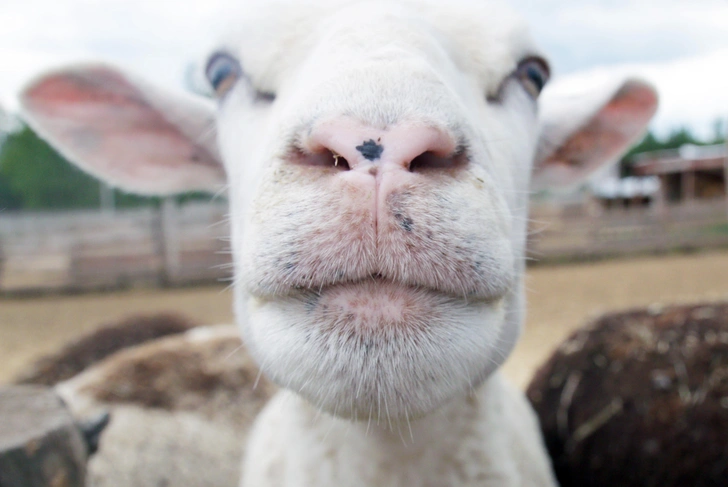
(223, 72)
(524, 76)
(533, 73)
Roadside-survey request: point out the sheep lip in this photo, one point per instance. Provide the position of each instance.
(319, 289)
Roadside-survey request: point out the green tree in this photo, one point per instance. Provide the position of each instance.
(41, 178)
(33, 176)
(9, 199)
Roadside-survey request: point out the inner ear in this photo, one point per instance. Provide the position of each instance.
(126, 131)
(575, 143)
(611, 129)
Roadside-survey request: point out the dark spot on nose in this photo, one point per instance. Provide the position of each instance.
(370, 150)
(407, 224)
(404, 221)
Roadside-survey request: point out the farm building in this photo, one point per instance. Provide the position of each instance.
(614, 192)
(689, 174)
(683, 176)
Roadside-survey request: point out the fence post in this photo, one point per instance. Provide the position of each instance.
(725, 169)
(170, 239)
(40, 444)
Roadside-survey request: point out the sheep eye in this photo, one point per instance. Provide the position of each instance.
(222, 71)
(533, 73)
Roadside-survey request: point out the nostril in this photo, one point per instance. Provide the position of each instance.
(429, 160)
(339, 161)
(322, 158)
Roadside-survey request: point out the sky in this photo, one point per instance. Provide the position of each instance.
(679, 45)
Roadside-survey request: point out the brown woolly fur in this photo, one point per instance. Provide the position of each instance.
(639, 398)
(180, 373)
(107, 339)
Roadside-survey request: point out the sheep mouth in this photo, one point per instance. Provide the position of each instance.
(348, 345)
(376, 283)
(378, 302)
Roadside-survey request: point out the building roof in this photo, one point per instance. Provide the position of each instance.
(687, 158)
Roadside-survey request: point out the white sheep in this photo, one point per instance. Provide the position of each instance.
(180, 407)
(177, 396)
(377, 158)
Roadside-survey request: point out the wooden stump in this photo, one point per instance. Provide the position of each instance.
(40, 445)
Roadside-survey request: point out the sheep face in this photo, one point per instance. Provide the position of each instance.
(377, 158)
(379, 279)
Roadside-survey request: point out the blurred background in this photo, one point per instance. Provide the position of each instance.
(651, 228)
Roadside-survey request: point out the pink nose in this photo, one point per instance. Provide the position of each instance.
(351, 145)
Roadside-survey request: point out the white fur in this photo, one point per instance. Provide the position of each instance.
(377, 48)
(447, 449)
(388, 327)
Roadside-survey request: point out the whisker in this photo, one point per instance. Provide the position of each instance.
(230, 355)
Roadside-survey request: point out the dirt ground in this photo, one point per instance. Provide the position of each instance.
(561, 298)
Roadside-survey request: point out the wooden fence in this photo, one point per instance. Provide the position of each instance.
(84, 250)
(583, 232)
(172, 245)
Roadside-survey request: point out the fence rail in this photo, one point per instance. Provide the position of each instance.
(84, 250)
(171, 245)
(574, 233)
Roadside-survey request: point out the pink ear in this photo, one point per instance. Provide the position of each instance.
(126, 132)
(596, 132)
